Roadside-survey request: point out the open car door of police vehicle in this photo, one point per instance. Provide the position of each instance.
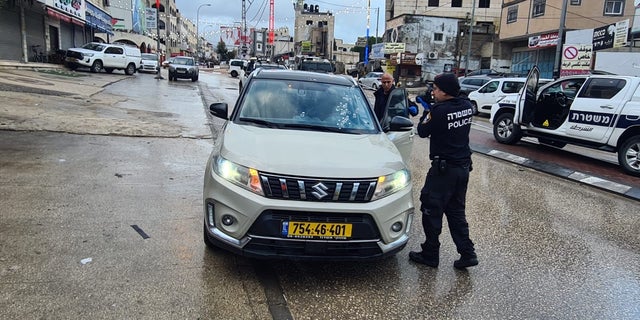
(523, 114)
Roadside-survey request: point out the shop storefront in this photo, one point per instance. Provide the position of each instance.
(65, 23)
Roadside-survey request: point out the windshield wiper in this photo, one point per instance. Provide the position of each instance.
(261, 121)
(313, 127)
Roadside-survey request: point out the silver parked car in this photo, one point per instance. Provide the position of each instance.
(302, 169)
(371, 80)
(182, 67)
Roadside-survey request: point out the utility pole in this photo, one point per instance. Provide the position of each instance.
(563, 17)
(159, 75)
(473, 12)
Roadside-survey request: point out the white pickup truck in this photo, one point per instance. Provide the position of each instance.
(594, 111)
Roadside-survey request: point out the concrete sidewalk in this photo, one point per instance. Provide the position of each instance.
(52, 79)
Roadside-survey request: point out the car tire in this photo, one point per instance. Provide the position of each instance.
(96, 66)
(629, 156)
(194, 79)
(375, 87)
(234, 73)
(505, 131)
(170, 76)
(130, 70)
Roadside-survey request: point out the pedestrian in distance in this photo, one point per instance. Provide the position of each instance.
(447, 123)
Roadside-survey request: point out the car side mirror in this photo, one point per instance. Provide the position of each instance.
(219, 110)
(399, 123)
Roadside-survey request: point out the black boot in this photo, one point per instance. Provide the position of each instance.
(420, 257)
(466, 261)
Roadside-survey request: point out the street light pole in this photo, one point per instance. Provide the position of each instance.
(197, 27)
(473, 12)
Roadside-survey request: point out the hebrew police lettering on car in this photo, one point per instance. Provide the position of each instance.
(302, 169)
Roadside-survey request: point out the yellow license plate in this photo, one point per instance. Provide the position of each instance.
(316, 230)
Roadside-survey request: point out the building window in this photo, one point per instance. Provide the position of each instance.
(437, 37)
(512, 14)
(433, 3)
(484, 4)
(575, 2)
(456, 3)
(538, 8)
(613, 8)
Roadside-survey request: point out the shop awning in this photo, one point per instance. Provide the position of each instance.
(59, 15)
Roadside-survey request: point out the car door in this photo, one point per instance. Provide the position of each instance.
(398, 105)
(114, 57)
(594, 110)
(488, 94)
(525, 107)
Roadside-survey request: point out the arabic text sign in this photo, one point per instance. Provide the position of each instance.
(150, 16)
(576, 59)
(611, 36)
(544, 40)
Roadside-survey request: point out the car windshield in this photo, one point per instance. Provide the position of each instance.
(147, 56)
(93, 46)
(316, 66)
(303, 105)
(183, 61)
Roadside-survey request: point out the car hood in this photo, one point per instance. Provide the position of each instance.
(144, 61)
(82, 50)
(310, 153)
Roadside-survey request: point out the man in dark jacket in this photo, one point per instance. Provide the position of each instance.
(447, 123)
(382, 95)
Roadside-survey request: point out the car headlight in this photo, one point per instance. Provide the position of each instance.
(239, 175)
(391, 184)
(87, 55)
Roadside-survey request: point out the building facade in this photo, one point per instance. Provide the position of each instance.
(314, 32)
(529, 28)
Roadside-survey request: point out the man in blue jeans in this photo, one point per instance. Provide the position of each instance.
(448, 123)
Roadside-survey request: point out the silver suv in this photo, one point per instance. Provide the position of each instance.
(303, 169)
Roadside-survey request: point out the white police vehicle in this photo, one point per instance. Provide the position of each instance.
(594, 111)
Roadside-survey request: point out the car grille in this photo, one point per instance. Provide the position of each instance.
(323, 190)
(266, 237)
(185, 70)
(74, 54)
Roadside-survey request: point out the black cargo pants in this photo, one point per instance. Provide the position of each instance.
(444, 192)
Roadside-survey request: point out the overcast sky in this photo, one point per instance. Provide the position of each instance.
(350, 15)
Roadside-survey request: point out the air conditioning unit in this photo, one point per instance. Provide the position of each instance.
(433, 55)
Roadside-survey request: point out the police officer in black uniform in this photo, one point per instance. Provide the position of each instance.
(448, 123)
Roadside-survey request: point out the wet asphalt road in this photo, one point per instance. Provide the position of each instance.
(548, 248)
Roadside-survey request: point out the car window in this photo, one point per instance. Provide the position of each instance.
(114, 50)
(490, 87)
(237, 63)
(290, 103)
(183, 61)
(93, 46)
(512, 86)
(602, 88)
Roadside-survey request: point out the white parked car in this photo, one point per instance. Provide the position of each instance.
(99, 56)
(149, 63)
(497, 89)
(371, 80)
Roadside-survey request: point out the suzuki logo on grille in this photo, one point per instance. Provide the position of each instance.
(319, 190)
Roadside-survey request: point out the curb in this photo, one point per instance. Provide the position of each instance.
(626, 191)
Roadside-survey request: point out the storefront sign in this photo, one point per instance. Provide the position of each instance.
(73, 8)
(394, 47)
(377, 51)
(98, 19)
(611, 36)
(544, 40)
(306, 46)
(576, 59)
(150, 17)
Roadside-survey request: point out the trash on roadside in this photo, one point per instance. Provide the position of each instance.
(86, 260)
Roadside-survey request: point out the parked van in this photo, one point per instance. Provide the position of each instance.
(236, 66)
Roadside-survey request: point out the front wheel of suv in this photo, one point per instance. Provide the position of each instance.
(505, 131)
(629, 156)
(131, 69)
(97, 66)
